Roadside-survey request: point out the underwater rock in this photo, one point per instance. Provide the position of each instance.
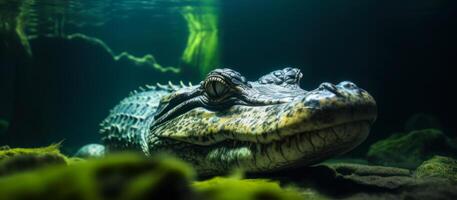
(358, 181)
(422, 121)
(91, 150)
(438, 166)
(409, 150)
(367, 170)
(13, 160)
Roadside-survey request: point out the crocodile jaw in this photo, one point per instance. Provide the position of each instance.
(297, 150)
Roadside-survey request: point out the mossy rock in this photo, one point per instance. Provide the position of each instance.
(8, 152)
(133, 176)
(226, 188)
(13, 160)
(438, 166)
(409, 150)
(352, 169)
(123, 176)
(360, 181)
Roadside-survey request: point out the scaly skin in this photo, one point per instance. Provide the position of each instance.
(226, 122)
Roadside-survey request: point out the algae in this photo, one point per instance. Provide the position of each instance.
(125, 176)
(13, 152)
(13, 160)
(121, 176)
(201, 50)
(438, 166)
(134, 176)
(409, 150)
(225, 188)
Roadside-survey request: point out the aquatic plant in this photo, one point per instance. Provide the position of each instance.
(21, 19)
(202, 49)
(12, 26)
(147, 60)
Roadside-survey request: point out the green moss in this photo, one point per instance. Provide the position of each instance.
(21, 159)
(438, 166)
(74, 160)
(221, 188)
(123, 176)
(132, 176)
(9, 153)
(409, 150)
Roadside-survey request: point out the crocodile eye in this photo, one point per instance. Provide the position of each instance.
(216, 87)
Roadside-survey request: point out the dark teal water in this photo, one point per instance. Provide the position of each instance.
(59, 75)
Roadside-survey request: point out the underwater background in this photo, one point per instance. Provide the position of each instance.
(65, 64)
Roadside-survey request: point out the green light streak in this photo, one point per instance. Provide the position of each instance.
(202, 50)
(20, 28)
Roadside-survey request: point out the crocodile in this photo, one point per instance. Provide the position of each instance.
(226, 122)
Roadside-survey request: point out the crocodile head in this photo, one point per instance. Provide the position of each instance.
(226, 122)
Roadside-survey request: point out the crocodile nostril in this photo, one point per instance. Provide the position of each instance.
(348, 85)
(330, 87)
(327, 86)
